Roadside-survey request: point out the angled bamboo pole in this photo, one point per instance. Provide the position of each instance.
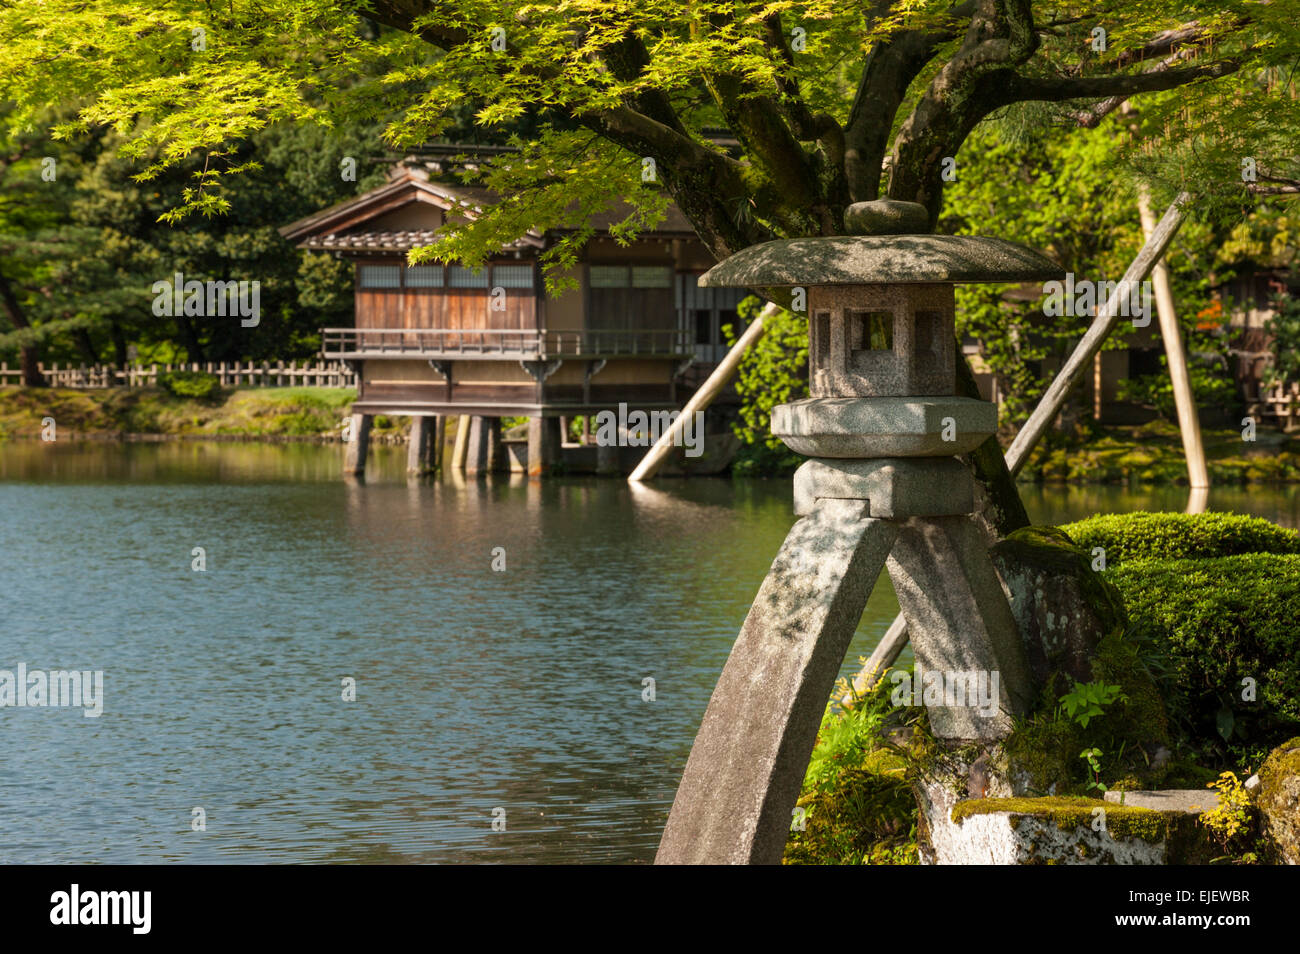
(895, 638)
(1189, 425)
(1107, 318)
(710, 389)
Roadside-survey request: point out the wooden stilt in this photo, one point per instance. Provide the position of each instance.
(420, 448)
(439, 441)
(543, 445)
(461, 449)
(354, 457)
(486, 453)
(607, 464)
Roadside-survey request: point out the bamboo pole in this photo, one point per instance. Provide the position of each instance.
(701, 399)
(1107, 318)
(1189, 425)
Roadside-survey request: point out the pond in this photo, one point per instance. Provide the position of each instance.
(476, 688)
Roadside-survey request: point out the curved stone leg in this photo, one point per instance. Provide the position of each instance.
(745, 770)
(961, 626)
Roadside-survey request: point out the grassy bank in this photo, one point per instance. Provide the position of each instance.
(252, 412)
(1153, 454)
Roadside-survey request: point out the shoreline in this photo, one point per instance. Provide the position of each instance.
(126, 437)
(1143, 455)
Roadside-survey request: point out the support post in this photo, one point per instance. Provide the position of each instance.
(354, 455)
(543, 445)
(439, 441)
(461, 449)
(421, 447)
(607, 464)
(1107, 318)
(486, 453)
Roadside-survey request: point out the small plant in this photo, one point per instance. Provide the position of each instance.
(858, 804)
(1231, 817)
(1087, 700)
(1093, 758)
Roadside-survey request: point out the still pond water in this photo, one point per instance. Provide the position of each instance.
(475, 689)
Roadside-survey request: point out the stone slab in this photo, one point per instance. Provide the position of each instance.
(745, 770)
(866, 427)
(1013, 838)
(1192, 800)
(893, 487)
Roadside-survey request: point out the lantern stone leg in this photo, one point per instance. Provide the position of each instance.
(960, 623)
(743, 776)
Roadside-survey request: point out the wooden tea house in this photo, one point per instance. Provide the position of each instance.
(432, 340)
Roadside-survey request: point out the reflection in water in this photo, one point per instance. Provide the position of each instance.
(476, 689)
(1198, 499)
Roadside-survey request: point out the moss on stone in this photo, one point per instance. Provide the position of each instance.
(885, 762)
(1074, 812)
(1140, 717)
(1279, 801)
(1043, 749)
(1281, 762)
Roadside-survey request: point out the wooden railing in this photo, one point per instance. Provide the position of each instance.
(497, 342)
(329, 374)
(1283, 400)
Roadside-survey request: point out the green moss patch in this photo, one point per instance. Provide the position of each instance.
(1185, 842)
(1175, 536)
(857, 801)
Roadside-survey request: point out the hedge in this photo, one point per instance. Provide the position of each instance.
(1177, 536)
(1221, 620)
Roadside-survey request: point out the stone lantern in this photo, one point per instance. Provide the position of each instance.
(883, 488)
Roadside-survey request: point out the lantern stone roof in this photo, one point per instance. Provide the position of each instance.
(881, 259)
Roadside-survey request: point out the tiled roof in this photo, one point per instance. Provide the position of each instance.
(375, 241)
(402, 241)
(348, 216)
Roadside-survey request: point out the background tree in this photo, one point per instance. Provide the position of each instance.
(79, 254)
(832, 103)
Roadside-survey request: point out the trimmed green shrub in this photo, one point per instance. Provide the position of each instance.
(1176, 536)
(190, 384)
(1220, 621)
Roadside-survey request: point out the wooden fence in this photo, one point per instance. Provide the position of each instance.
(328, 374)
